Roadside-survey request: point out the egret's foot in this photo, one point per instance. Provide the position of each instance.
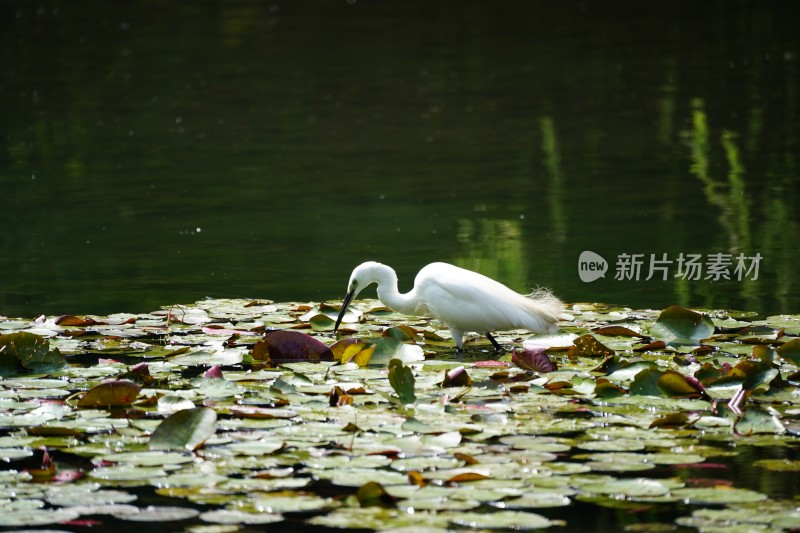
(497, 348)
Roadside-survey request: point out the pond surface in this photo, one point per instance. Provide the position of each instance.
(620, 425)
(154, 154)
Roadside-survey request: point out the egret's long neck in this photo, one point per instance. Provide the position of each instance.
(391, 296)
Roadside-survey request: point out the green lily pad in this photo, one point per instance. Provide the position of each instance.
(24, 351)
(677, 325)
(161, 514)
(779, 465)
(186, 429)
(227, 516)
(718, 495)
(631, 488)
(517, 520)
(537, 500)
(36, 517)
(402, 381)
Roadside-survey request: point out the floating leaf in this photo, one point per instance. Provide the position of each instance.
(229, 516)
(718, 495)
(751, 375)
(634, 488)
(261, 413)
(616, 331)
(160, 514)
(388, 348)
(790, 350)
(456, 377)
(359, 353)
(516, 520)
(758, 420)
(678, 325)
(287, 346)
(533, 358)
(779, 465)
(36, 517)
(651, 347)
(606, 389)
(675, 385)
(213, 372)
(339, 347)
(402, 333)
(27, 351)
(116, 393)
(401, 378)
(321, 322)
(668, 383)
(187, 429)
(339, 398)
(171, 403)
(72, 320)
(588, 346)
(372, 494)
(672, 420)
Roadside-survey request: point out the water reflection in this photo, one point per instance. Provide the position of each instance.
(304, 140)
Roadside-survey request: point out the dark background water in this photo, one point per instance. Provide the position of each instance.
(154, 153)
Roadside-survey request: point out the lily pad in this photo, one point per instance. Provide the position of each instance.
(718, 495)
(113, 393)
(631, 488)
(227, 516)
(24, 351)
(402, 380)
(677, 325)
(186, 429)
(286, 346)
(517, 520)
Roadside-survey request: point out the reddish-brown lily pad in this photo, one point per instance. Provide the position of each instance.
(115, 393)
(289, 346)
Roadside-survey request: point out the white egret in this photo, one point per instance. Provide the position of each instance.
(462, 299)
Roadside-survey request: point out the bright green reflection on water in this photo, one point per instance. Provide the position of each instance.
(152, 155)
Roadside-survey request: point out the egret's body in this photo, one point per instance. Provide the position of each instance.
(462, 299)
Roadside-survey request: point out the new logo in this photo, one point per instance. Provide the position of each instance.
(591, 266)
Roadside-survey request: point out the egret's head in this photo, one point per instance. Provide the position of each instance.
(363, 275)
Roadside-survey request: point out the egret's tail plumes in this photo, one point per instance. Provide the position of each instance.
(544, 308)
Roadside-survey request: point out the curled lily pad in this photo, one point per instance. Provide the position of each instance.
(24, 351)
(456, 377)
(402, 380)
(186, 429)
(790, 350)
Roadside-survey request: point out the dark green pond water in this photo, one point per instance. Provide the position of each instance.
(154, 153)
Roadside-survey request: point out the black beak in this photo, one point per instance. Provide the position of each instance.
(347, 299)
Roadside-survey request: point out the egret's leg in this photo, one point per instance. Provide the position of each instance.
(497, 347)
(458, 336)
